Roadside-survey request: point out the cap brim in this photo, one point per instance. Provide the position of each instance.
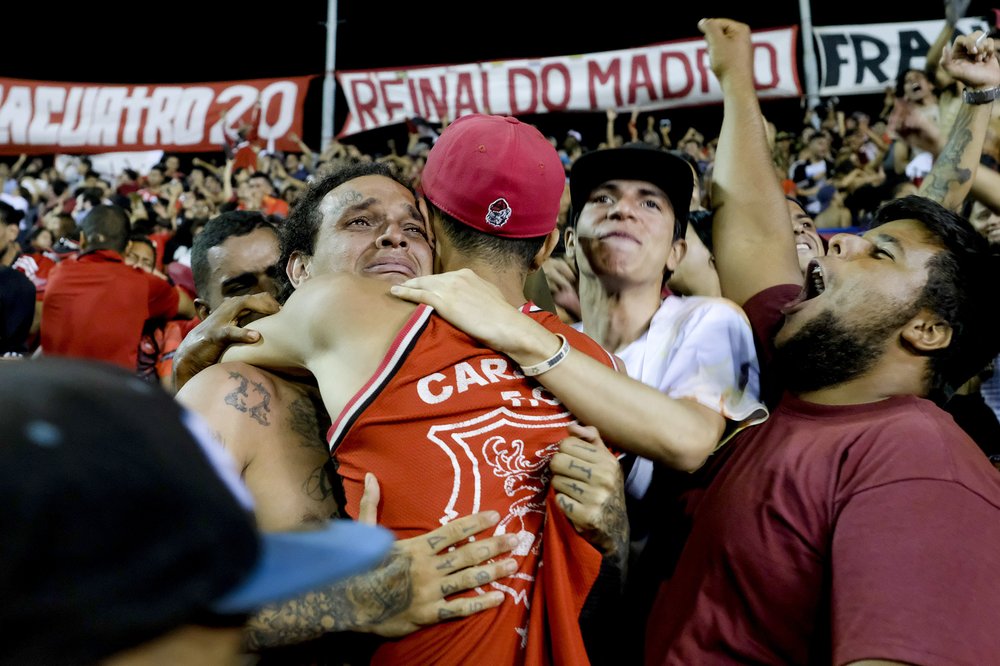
(293, 563)
(668, 172)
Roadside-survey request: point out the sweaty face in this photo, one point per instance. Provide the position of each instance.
(625, 233)
(857, 297)
(371, 227)
(808, 244)
(243, 265)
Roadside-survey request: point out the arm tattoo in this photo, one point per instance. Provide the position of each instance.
(362, 600)
(615, 525)
(318, 486)
(947, 168)
(239, 398)
(303, 421)
(302, 418)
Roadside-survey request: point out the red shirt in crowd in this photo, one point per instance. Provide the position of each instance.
(37, 267)
(95, 307)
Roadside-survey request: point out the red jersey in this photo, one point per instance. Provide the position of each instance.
(95, 307)
(450, 428)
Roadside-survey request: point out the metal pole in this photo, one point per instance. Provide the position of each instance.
(328, 82)
(809, 54)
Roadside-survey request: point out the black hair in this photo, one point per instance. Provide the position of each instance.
(299, 232)
(216, 232)
(106, 228)
(38, 231)
(701, 221)
(144, 239)
(91, 195)
(10, 215)
(960, 288)
(495, 250)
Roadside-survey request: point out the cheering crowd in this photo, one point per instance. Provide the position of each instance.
(676, 399)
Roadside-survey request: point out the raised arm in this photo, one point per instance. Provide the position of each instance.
(752, 234)
(207, 166)
(227, 180)
(974, 65)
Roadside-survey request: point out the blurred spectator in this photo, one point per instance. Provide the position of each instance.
(17, 312)
(129, 537)
(95, 306)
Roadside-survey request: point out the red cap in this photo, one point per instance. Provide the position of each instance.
(497, 175)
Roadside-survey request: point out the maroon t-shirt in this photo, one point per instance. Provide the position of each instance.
(95, 307)
(831, 534)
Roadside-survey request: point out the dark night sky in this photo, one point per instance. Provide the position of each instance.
(184, 41)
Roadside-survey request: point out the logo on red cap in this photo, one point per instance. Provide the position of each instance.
(499, 213)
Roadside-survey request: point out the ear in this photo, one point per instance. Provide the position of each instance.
(439, 251)
(428, 223)
(202, 309)
(546, 250)
(678, 249)
(299, 268)
(569, 240)
(927, 332)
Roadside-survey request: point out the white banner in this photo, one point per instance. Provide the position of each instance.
(856, 59)
(661, 76)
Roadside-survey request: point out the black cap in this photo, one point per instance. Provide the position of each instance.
(636, 161)
(122, 519)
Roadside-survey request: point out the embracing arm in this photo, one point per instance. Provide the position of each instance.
(304, 329)
(590, 490)
(679, 433)
(410, 589)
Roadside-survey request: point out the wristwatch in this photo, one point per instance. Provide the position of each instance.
(984, 96)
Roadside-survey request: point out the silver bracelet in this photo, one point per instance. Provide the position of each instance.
(550, 362)
(984, 96)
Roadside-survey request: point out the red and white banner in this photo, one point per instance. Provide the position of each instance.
(661, 76)
(42, 117)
